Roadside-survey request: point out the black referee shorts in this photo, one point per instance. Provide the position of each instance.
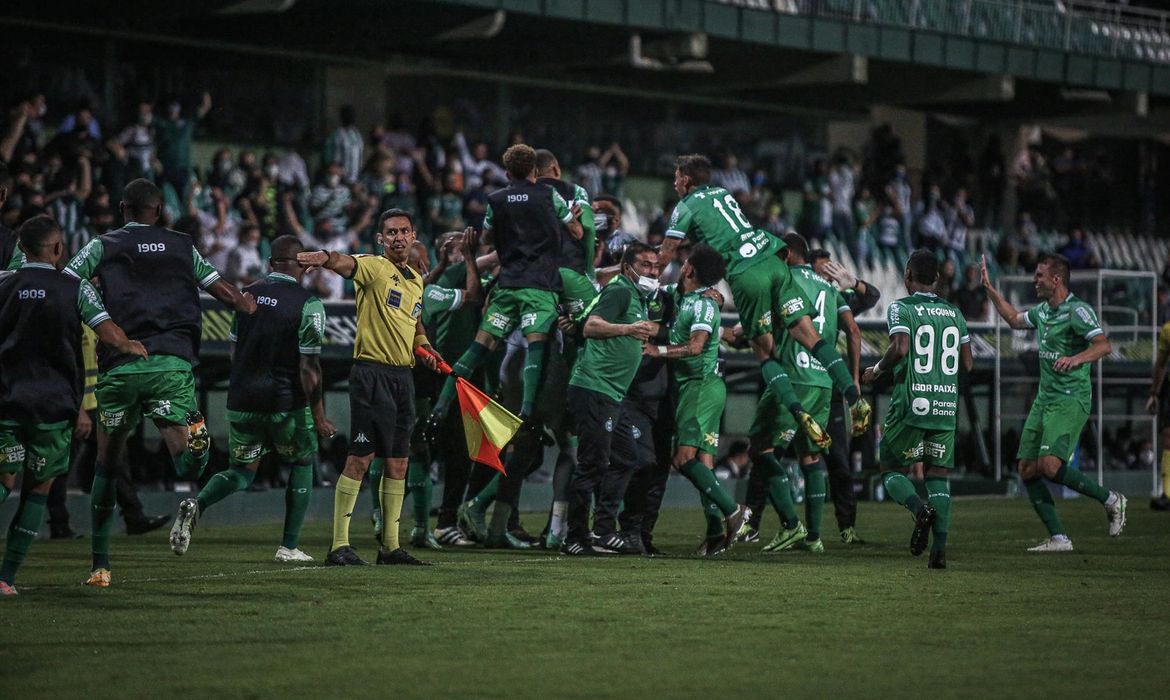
(381, 410)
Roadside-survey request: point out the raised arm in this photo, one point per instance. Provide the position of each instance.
(232, 298)
(472, 287)
(1015, 318)
(342, 264)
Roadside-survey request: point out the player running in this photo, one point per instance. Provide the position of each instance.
(928, 346)
(1070, 340)
(702, 394)
(41, 312)
(150, 277)
(774, 428)
(274, 398)
(761, 286)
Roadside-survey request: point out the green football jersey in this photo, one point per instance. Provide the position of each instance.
(926, 380)
(437, 300)
(1064, 332)
(588, 229)
(801, 366)
(696, 313)
(711, 215)
(608, 365)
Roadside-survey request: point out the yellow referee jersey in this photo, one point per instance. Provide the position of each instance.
(389, 304)
(1164, 340)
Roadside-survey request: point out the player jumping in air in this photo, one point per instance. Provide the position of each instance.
(1070, 341)
(928, 346)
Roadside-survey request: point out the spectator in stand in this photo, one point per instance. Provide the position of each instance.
(991, 182)
(117, 168)
(1079, 252)
(345, 146)
(98, 213)
(245, 264)
(889, 233)
(971, 297)
(330, 197)
(259, 203)
(816, 212)
(865, 216)
(776, 220)
(959, 217)
(173, 136)
(379, 179)
(930, 219)
(65, 201)
(899, 193)
(475, 203)
(478, 171)
(614, 168)
(944, 286)
(1018, 250)
(138, 142)
(730, 177)
(26, 128)
(445, 211)
(589, 172)
(82, 118)
(841, 190)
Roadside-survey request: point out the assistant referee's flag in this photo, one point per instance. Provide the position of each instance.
(487, 425)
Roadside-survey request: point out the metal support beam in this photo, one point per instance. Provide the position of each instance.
(992, 88)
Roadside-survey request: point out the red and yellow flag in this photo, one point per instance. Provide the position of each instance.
(487, 425)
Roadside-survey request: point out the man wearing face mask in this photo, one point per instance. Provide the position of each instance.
(173, 136)
(614, 331)
(138, 140)
(607, 220)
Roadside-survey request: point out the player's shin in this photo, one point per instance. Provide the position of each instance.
(712, 515)
(297, 495)
(26, 523)
(533, 369)
(938, 494)
(838, 371)
(1044, 505)
(374, 479)
(345, 496)
(901, 491)
(780, 491)
(102, 515)
(464, 367)
(816, 479)
(418, 481)
(393, 493)
(776, 379)
(1076, 480)
(189, 466)
(224, 484)
(704, 480)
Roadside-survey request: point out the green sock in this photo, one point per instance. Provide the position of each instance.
(712, 515)
(1044, 504)
(776, 379)
(1076, 480)
(296, 503)
(938, 494)
(816, 487)
(188, 466)
(838, 371)
(533, 369)
(101, 498)
(704, 480)
(374, 477)
(484, 498)
(902, 491)
(3, 493)
(418, 482)
(224, 484)
(464, 367)
(780, 491)
(21, 533)
(499, 524)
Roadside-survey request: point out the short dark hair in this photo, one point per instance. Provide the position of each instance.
(633, 250)
(923, 266)
(285, 248)
(617, 203)
(1057, 264)
(708, 264)
(696, 167)
(818, 254)
(544, 159)
(519, 160)
(390, 214)
(142, 196)
(797, 244)
(34, 232)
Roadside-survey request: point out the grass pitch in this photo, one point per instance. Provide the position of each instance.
(224, 621)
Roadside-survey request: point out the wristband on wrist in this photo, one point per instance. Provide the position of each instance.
(421, 340)
(662, 351)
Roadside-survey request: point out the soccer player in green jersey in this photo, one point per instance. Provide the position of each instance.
(702, 394)
(767, 299)
(774, 428)
(274, 400)
(928, 346)
(1070, 341)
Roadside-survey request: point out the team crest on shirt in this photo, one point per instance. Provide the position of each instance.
(765, 320)
(609, 425)
(635, 432)
(417, 310)
(711, 439)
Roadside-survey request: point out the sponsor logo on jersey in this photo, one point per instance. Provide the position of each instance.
(913, 453)
(499, 320)
(161, 408)
(527, 320)
(12, 454)
(112, 419)
(920, 406)
(792, 306)
(935, 449)
(247, 453)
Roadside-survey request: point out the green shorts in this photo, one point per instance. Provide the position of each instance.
(904, 445)
(291, 435)
(166, 396)
(579, 290)
(1053, 428)
(42, 449)
(530, 310)
(699, 413)
(775, 426)
(765, 291)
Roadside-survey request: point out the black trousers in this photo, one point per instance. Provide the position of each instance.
(606, 459)
(653, 423)
(837, 463)
(451, 451)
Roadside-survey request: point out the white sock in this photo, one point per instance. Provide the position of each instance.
(558, 526)
(1060, 538)
(1112, 500)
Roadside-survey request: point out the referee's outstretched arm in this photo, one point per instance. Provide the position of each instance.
(342, 264)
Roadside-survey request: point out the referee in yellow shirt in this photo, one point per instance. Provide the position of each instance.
(381, 387)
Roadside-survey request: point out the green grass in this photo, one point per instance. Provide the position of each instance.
(224, 621)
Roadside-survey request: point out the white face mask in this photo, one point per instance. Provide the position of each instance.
(333, 180)
(648, 286)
